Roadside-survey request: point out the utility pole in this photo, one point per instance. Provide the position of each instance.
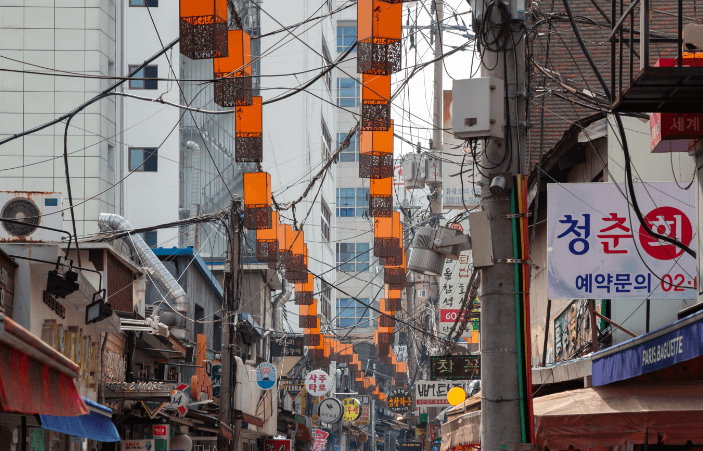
(500, 403)
(373, 424)
(438, 7)
(228, 438)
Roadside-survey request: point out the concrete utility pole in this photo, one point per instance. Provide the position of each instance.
(229, 338)
(438, 8)
(372, 419)
(500, 404)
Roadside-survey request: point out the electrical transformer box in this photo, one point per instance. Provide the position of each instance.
(478, 108)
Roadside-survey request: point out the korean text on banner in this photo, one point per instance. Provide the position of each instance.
(594, 237)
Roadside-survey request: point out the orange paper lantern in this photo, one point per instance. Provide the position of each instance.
(233, 72)
(257, 200)
(203, 29)
(248, 125)
(375, 102)
(376, 154)
(380, 197)
(379, 32)
(267, 241)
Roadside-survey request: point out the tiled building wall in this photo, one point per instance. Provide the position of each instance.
(49, 36)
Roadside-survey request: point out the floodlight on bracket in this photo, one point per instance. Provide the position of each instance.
(432, 246)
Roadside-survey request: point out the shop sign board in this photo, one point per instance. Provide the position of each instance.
(352, 409)
(293, 387)
(365, 415)
(607, 254)
(287, 346)
(399, 400)
(455, 367)
(330, 410)
(410, 446)
(454, 282)
(266, 376)
(362, 437)
(319, 439)
(433, 392)
(318, 383)
(216, 380)
(278, 445)
(138, 445)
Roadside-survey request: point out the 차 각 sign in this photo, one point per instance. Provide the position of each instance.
(597, 248)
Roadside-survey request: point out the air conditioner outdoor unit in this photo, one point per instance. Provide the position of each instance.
(34, 209)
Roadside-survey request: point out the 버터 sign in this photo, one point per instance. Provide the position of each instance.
(431, 393)
(607, 254)
(455, 367)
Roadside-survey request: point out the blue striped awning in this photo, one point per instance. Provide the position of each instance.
(96, 425)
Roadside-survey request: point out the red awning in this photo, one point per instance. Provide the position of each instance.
(614, 415)
(35, 378)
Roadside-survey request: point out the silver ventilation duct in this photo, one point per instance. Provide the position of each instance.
(282, 298)
(153, 266)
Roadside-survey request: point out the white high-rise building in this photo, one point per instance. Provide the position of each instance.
(64, 44)
(299, 131)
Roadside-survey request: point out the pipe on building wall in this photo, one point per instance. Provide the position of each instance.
(194, 189)
(149, 260)
(282, 298)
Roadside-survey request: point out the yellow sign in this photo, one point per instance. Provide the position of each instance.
(352, 409)
(456, 396)
(362, 437)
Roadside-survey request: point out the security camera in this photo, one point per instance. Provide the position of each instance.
(498, 185)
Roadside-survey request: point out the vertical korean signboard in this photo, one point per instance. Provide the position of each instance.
(453, 284)
(597, 248)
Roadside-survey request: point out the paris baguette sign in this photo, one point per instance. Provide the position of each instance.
(605, 253)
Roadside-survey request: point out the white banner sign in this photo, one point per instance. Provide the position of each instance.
(597, 248)
(433, 392)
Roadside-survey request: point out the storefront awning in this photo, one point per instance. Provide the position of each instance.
(96, 425)
(613, 415)
(36, 378)
(677, 342)
(461, 431)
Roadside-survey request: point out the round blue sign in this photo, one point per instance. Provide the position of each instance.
(266, 376)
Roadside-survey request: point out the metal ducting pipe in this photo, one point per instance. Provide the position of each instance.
(194, 190)
(152, 265)
(282, 298)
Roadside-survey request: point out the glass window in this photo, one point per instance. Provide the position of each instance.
(348, 92)
(353, 257)
(345, 37)
(149, 3)
(352, 202)
(351, 152)
(150, 238)
(146, 72)
(145, 160)
(362, 202)
(353, 313)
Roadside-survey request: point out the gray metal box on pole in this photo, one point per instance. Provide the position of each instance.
(478, 108)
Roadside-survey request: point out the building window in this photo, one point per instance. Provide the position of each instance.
(352, 202)
(145, 160)
(345, 37)
(351, 152)
(326, 297)
(198, 327)
(149, 3)
(351, 313)
(151, 238)
(422, 293)
(326, 142)
(353, 257)
(326, 220)
(348, 92)
(145, 72)
(327, 61)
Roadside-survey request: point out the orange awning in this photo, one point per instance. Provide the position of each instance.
(36, 379)
(614, 415)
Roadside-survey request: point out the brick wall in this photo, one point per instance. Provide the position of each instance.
(567, 59)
